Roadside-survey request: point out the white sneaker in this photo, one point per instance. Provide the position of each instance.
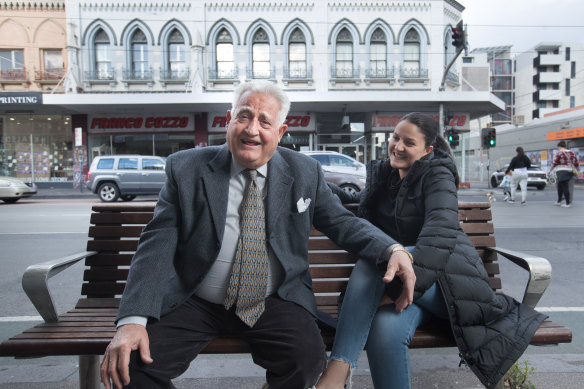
(558, 203)
(566, 205)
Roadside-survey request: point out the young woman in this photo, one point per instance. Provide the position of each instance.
(518, 166)
(413, 197)
(563, 162)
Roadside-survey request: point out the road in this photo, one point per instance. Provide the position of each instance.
(36, 230)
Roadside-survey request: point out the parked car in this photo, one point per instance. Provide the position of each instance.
(126, 176)
(13, 189)
(342, 170)
(331, 161)
(535, 177)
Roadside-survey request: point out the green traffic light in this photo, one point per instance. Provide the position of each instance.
(492, 142)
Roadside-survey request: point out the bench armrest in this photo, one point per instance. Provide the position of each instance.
(540, 273)
(35, 283)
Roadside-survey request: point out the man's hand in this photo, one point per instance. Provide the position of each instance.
(399, 264)
(114, 366)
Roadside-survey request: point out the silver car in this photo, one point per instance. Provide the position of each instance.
(535, 177)
(126, 176)
(13, 189)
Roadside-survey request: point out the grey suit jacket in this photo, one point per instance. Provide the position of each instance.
(183, 239)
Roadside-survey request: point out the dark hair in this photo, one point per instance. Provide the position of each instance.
(562, 144)
(520, 151)
(429, 128)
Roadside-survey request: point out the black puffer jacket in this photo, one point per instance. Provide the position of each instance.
(491, 330)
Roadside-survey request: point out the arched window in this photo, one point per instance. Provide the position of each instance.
(177, 65)
(139, 43)
(378, 56)
(297, 55)
(344, 54)
(224, 55)
(103, 62)
(411, 63)
(261, 54)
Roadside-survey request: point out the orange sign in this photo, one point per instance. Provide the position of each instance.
(566, 134)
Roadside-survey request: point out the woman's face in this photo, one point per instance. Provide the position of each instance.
(406, 146)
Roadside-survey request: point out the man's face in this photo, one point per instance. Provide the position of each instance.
(253, 132)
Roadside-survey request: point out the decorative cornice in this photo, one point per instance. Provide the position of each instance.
(30, 5)
(258, 5)
(177, 5)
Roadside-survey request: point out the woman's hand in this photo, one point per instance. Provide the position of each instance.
(400, 264)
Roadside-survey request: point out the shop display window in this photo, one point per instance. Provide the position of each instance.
(36, 148)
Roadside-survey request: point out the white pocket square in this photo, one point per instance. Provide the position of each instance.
(302, 205)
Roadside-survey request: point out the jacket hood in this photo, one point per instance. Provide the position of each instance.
(434, 158)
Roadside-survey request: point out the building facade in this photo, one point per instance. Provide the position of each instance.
(157, 77)
(548, 79)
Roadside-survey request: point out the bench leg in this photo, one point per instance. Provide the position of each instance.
(89, 372)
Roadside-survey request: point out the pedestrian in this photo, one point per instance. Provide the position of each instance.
(412, 196)
(567, 168)
(505, 185)
(226, 253)
(518, 167)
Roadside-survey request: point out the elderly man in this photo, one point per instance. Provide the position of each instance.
(226, 253)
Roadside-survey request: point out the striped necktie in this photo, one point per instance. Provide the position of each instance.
(249, 276)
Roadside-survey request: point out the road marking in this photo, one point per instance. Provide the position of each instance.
(43, 233)
(8, 319)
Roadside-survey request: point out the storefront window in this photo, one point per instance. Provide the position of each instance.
(161, 145)
(36, 147)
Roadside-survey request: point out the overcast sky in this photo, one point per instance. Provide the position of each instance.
(523, 23)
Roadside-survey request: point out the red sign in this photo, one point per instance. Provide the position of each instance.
(101, 124)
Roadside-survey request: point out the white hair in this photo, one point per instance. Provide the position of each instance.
(266, 87)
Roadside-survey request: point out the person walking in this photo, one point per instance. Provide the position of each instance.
(567, 166)
(518, 166)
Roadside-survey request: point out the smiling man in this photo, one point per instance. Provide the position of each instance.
(226, 253)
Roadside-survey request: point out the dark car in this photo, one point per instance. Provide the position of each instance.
(535, 177)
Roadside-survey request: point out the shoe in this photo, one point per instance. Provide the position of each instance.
(566, 205)
(558, 203)
(511, 201)
(523, 202)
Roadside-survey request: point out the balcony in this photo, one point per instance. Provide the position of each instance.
(413, 74)
(550, 59)
(547, 95)
(49, 76)
(137, 76)
(265, 74)
(14, 76)
(345, 74)
(547, 77)
(175, 76)
(100, 76)
(297, 75)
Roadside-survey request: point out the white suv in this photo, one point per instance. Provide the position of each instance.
(126, 176)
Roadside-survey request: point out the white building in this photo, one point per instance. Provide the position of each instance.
(157, 77)
(548, 78)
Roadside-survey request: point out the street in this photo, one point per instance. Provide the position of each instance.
(37, 230)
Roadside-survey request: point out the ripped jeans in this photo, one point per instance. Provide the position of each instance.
(386, 332)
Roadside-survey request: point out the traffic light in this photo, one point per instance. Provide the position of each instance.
(458, 36)
(489, 137)
(453, 138)
(492, 137)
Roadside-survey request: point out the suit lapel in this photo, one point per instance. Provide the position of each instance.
(279, 186)
(216, 181)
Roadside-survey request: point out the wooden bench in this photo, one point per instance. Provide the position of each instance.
(115, 228)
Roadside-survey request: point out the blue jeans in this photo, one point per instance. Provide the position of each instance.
(386, 332)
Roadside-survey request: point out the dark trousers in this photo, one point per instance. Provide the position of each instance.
(564, 191)
(285, 341)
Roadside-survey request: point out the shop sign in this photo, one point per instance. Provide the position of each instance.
(384, 122)
(21, 98)
(141, 124)
(571, 133)
(295, 122)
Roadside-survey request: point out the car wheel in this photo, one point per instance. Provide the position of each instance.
(128, 197)
(108, 192)
(494, 182)
(351, 189)
(540, 187)
(11, 200)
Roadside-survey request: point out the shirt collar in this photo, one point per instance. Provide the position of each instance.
(237, 168)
